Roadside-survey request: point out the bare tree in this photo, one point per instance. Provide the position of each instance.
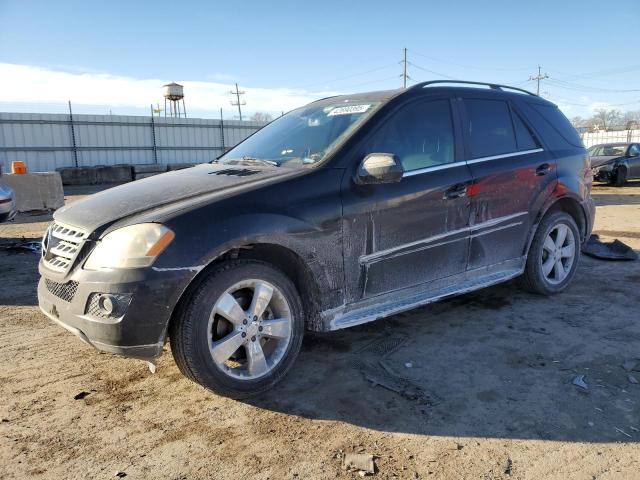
(261, 117)
(607, 118)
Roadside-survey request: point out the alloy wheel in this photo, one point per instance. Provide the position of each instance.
(250, 328)
(558, 253)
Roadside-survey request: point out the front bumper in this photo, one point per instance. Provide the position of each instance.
(603, 173)
(140, 329)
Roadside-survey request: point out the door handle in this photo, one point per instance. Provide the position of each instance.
(457, 191)
(543, 169)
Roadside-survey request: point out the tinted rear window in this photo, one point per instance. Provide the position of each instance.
(490, 128)
(526, 140)
(554, 117)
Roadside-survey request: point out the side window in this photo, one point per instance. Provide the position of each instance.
(524, 137)
(634, 149)
(490, 128)
(420, 135)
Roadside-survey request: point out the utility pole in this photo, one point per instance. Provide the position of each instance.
(404, 69)
(537, 78)
(237, 102)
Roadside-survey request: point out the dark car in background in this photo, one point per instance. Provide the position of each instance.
(349, 209)
(615, 162)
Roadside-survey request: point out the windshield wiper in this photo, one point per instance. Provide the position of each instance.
(246, 160)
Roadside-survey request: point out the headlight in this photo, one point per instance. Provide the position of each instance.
(130, 247)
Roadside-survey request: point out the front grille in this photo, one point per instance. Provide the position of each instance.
(64, 291)
(60, 246)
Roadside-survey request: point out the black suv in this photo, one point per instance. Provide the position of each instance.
(347, 210)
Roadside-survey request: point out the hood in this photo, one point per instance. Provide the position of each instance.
(160, 190)
(601, 160)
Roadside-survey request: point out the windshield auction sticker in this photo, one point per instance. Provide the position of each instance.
(348, 110)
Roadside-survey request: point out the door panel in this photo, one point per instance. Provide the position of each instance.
(403, 234)
(512, 175)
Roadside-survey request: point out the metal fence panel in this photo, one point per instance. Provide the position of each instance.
(49, 141)
(596, 138)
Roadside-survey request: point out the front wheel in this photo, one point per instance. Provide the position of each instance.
(240, 330)
(553, 256)
(620, 177)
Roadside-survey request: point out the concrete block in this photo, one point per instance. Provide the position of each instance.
(113, 173)
(149, 168)
(36, 191)
(180, 166)
(78, 175)
(140, 176)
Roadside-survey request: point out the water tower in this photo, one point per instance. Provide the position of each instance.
(173, 92)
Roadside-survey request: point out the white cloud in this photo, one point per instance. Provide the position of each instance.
(30, 84)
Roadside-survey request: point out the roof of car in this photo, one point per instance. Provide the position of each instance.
(384, 96)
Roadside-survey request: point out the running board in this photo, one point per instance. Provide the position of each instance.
(395, 302)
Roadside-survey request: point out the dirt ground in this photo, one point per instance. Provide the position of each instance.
(475, 387)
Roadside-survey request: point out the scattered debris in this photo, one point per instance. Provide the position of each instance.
(632, 379)
(591, 424)
(622, 432)
(120, 474)
(361, 462)
(386, 377)
(509, 468)
(460, 446)
(633, 428)
(615, 250)
(629, 365)
(579, 382)
(409, 364)
(80, 395)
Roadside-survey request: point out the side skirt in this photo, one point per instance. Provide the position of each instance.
(398, 301)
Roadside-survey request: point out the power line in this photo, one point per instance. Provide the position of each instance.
(468, 66)
(431, 71)
(238, 103)
(348, 76)
(579, 87)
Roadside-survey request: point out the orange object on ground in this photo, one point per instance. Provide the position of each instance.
(18, 167)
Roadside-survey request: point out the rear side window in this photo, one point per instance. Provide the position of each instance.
(490, 128)
(524, 137)
(554, 117)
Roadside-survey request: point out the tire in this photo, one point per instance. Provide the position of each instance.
(537, 278)
(262, 355)
(620, 177)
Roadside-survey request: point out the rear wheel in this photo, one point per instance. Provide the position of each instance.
(240, 330)
(620, 177)
(553, 256)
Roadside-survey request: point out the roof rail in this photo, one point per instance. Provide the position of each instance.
(493, 86)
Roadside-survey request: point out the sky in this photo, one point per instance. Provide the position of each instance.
(114, 56)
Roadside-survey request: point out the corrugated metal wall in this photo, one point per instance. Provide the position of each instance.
(49, 141)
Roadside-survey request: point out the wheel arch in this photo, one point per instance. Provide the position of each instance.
(568, 204)
(290, 262)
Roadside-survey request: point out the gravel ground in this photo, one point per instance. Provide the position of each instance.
(479, 386)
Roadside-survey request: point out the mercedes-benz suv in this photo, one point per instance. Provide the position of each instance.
(344, 211)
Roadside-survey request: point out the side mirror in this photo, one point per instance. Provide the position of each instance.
(379, 168)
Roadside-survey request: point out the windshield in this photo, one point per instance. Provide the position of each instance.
(608, 150)
(302, 137)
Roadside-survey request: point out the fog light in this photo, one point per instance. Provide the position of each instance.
(108, 305)
(105, 303)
